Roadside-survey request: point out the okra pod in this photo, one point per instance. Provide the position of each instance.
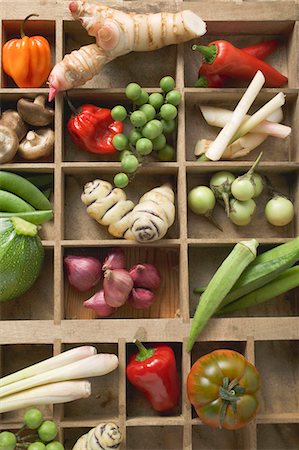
(12, 203)
(36, 217)
(286, 281)
(221, 283)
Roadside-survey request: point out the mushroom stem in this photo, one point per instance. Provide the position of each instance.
(40, 100)
(32, 137)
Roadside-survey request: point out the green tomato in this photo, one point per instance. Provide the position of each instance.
(33, 418)
(166, 153)
(174, 98)
(241, 212)
(55, 445)
(8, 440)
(119, 113)
(37, 446)
(201, 200)
(279, 211)
(129, 163)
(142, 99)
(168, 126)
(144, 146)
(167, 83)
(134, 135)
(138, 119)
(121, 180)
(149, 111)
(120, 141)
(168, 112)
(242, 189)
(133, 91)
(258, 183)
(156, 100)
(47, 431)
(151, 130)
(159, 142)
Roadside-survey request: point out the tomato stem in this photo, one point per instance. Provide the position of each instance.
(230, 393)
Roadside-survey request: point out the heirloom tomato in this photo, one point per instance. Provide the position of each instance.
(222, 387)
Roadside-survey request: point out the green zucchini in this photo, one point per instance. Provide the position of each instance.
(21, 257)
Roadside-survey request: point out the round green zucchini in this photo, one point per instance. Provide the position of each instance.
(21, 256)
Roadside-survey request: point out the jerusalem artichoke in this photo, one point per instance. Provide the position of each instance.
(103, 437)
(149, 220)
(118, 33)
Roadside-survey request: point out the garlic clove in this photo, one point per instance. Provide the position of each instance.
(145, 276)
(115, 260)
(141, 298)
(98, 304)
(117, 286)
(83, 272)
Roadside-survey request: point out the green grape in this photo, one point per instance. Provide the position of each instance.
(166, 153)
(7, 440)
(142, 99)
(121, 180)
(167, 83)
(119, 113)
(55, 445)
(37, 446)
(47, 431)
(173, 97)
(168, 126)
(33, 418)
(144, 146)
(151, 130)
(124, 153)
(120, 141)
(129, 163)
(134, 135)
(156, 100)
(138, 118)
(168, 112)
(159, 142)
(133, 91)
(149, 111)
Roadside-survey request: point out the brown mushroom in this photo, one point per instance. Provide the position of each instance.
(37, 144)
(35, 112)
(14, 121)
(9, 143)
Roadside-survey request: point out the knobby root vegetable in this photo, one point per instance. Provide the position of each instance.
(118, 33)
(221, 283)
(105, 436)
(53, 393)
(148, 221)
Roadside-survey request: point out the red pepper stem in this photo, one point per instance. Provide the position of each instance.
(202, 82)
(209, 52)
(70, 105)
(22, 32)
(144, 352)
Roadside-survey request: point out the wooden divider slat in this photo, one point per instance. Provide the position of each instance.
(122, 398)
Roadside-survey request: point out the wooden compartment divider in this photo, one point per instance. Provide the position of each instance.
(187, 241)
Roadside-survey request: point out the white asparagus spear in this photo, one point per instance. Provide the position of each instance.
(63, 359)
(260, 115)
(219, 117)
(223, 139)
(93, 366)
(63, 392)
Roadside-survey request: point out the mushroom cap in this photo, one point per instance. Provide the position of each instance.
(14, 121)
(35, 112)
(37, 144)
(8, 144)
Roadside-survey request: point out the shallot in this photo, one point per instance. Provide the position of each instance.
(114, 260)
(141, 298)
(145, 276)
(98, 304)
(83, 272)
(117, 286)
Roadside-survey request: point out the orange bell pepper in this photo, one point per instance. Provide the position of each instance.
(27, 60)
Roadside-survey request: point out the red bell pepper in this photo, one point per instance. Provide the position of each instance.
(153, 371)
(93, 128)
(222, 58)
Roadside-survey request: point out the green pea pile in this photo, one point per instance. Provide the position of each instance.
(153, 119)
(36, 434)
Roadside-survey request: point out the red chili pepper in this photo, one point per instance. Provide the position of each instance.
(93, 128)
(153, 371)
(225, 60)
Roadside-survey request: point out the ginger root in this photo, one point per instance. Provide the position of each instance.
(118, 33)
(103, 437)
(148, 221)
